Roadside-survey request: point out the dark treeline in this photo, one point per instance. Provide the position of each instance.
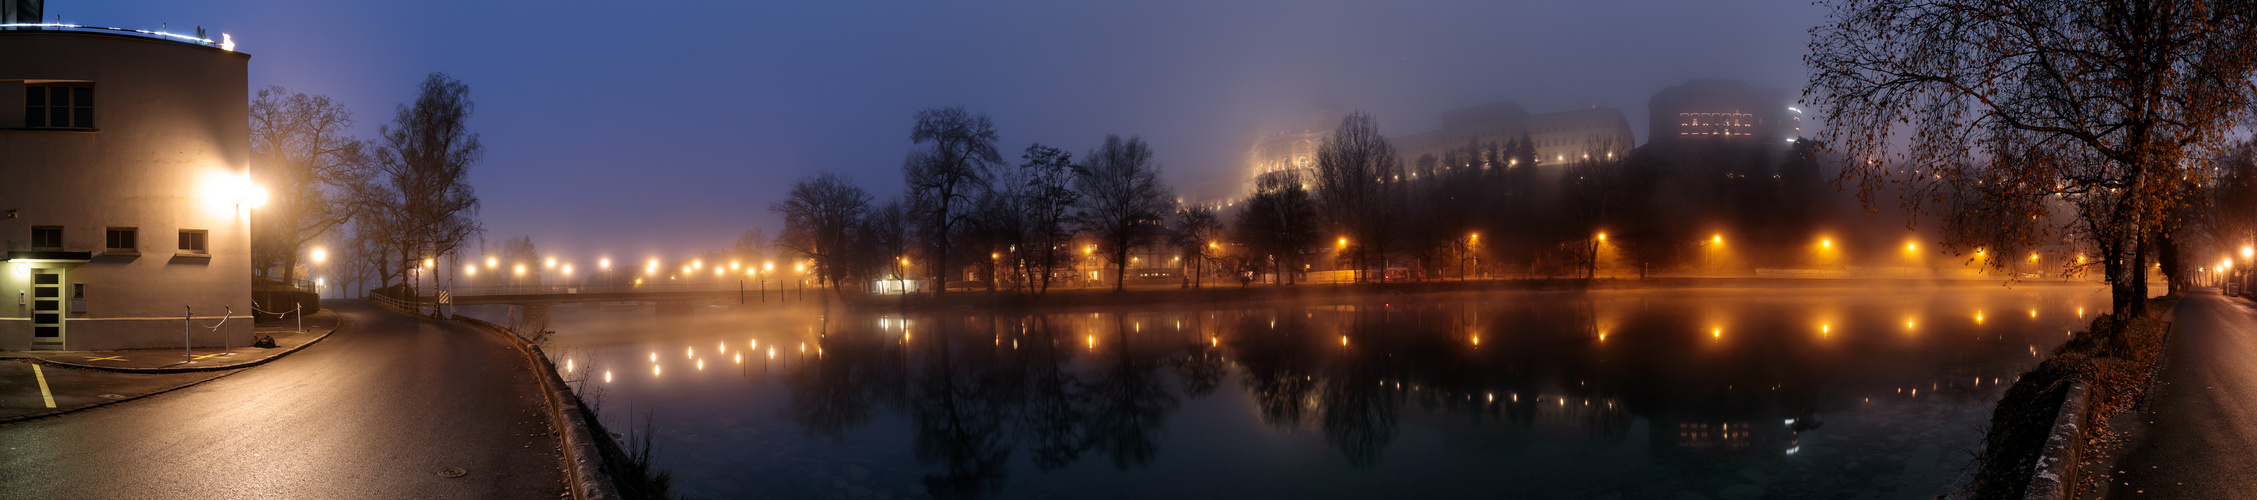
(973, 218)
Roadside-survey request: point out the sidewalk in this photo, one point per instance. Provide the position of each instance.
(40, 384)
(287, 339)
(2198, 436)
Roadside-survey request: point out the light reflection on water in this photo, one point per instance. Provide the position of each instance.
(1723, 392)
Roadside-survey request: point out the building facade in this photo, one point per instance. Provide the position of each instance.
(126, 209)
(1559, 138)
(1729, 111)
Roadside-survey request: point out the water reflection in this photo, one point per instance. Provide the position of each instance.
(1666, 387)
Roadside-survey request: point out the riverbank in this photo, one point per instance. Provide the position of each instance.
(2115, 360)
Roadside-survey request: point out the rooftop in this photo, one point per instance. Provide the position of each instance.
(224, 43)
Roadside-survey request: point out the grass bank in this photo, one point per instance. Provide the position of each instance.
(2115, 358)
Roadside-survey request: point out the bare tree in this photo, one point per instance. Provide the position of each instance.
(423, 161)
(944, 177)
(303, 151)
(1357, 175)
(1049, 199)
(2104, 104)
(1122, 201)
(819, 215)
(1197, 230)
(1278, 221)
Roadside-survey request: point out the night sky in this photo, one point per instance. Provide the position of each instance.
(657, 129)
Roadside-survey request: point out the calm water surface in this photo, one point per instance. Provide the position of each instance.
(1723, 393)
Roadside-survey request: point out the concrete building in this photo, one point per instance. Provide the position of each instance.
(1560, 138)
(126, 205)
(1730, 111)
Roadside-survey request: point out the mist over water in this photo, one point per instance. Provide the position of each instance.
(1601, 394)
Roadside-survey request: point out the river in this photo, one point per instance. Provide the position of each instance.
(1728, 392)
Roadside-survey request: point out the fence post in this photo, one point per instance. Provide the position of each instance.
(187, 351)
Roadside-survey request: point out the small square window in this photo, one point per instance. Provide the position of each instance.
(192, 241)
(47, 236)
(121, 239)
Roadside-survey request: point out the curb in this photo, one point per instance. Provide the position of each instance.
(585, 463)
(90, 406)
(2056, 469)
(193, 369)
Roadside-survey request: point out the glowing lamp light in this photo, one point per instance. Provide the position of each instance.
(567, 269)
(604, 263)
(491, 262)
(1602, 236)
(226, 42)
(318, 255)
(520, 269)
(1826, 243)
(549, 263)
(2225, 264)
(1716, 239)
(2247, 252)
(470, 270)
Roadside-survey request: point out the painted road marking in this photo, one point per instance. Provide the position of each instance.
(43, 394)
(211, 355)
(107, 358)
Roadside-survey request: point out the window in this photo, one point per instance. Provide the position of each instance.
(192, 241)
(47, 236)
(58, 106)
(121, 239)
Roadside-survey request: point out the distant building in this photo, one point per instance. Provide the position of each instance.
(1560, 138)
(127, 158)
(1730, 111)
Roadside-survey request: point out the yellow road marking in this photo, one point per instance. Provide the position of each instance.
(43, 394)
(107, 358)
(211, 355)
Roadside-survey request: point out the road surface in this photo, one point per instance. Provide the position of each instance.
(382, 409)
(2203, 439)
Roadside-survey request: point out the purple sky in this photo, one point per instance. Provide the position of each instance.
(654, 129)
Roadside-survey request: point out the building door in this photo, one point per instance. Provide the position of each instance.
(46, 309)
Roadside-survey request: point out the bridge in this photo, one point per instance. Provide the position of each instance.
(536, 299)
(547, 295)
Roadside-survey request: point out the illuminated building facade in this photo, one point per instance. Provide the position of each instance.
(1730, 111)
(127, 202)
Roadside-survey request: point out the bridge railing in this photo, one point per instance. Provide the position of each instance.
(467, 291)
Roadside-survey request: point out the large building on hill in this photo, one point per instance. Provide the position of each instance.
(1559, 138)
(127, 202)
(1726, 111)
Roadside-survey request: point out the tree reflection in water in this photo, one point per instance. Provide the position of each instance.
(1130, 403)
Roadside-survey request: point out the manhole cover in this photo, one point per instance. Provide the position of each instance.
(452, 472)
(111, 396)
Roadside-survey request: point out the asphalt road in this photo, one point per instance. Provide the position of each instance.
(379, 410)
(2203, 439)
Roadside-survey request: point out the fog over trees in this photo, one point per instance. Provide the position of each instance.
(1361, 213)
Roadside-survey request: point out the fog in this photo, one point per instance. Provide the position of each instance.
(664, 129)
